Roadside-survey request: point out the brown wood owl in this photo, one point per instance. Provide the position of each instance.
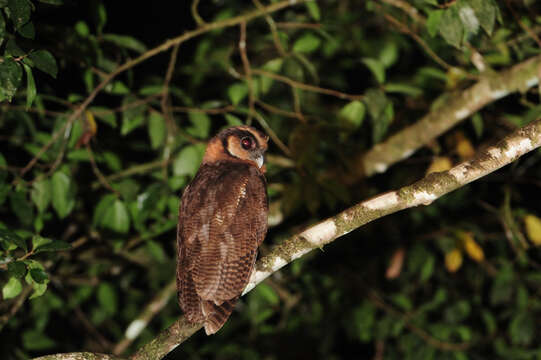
(222, 221)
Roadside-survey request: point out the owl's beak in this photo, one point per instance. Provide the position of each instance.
(259, 160)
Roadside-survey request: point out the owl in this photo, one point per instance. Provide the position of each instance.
(222, 221)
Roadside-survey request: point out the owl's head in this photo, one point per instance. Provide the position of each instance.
(241, 142)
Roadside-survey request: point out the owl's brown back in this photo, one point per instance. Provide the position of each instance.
(222, 221)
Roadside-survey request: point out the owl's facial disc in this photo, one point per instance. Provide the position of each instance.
(246, 145)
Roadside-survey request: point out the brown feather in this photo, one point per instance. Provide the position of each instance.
(222, 221)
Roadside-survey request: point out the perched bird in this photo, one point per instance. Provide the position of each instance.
(222, 221)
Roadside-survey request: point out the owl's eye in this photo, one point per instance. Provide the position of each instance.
(246, 143)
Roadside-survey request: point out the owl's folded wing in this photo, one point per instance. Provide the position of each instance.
(223, 234)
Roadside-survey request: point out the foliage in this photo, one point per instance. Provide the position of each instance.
(89, 195)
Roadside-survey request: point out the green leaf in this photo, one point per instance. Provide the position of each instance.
(433, 22)
(156, 250)
(232, 120)
(486, 12)
(82, 29)
(112, 160)
(117, 88)
(389, 54)
(104, 114)
(376, 67)
(428, 269)
(156, 129)
(36, 340)
(21, 207)
(127, 42)
(39, 287)
(522, 328)
(307, 43)
(468, 17)
(381, 113)
(13, 49)
(17, 269)
(132, 117)
(38, 240)
(3, 173)
(44, 61)
(63, 194)
(477, 122)
(12, 238)
(451, 27)
(266, 82)
(101, 17)
(101, 209)
(4, 191)
(200, 127)
(313, 10)
(107, 298)
(41, 194)
(403, 89)
(402, 301)
(116, 217)
(363, 319)
(27, 30)
(187, 161)
(11, 75)
(268, 294)
(12, 288)
(2, 27)
(30, 86)
(19, 12)
(39, 275)
(489, 321)
(352, 114)
(237, 92)
(54, 245)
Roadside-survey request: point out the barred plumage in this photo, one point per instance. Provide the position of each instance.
(222, 221)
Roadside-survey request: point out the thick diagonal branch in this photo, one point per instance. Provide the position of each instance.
(423, 192)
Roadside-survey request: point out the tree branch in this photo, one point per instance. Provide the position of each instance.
(458, 107)
(422, 192)
(79, 356)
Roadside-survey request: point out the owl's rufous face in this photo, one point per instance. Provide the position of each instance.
(244, 143)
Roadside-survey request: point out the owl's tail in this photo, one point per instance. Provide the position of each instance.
(217, 315)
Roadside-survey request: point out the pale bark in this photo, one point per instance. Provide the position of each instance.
(457, 107)
(422, 192)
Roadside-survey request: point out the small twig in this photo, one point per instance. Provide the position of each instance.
(66, 129)
(149, 312)
(307, 87)
(90, 328)
(278, 111)
(97, 171)
(216, 111)
(134, 170)
(198, 19)
(261, 120)
(166, 110)
(525, 27)
(406, 30)
(429, 339)
(294, 25)
(17, 304)
(247, 70)
(272, 26)
(297, 104)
